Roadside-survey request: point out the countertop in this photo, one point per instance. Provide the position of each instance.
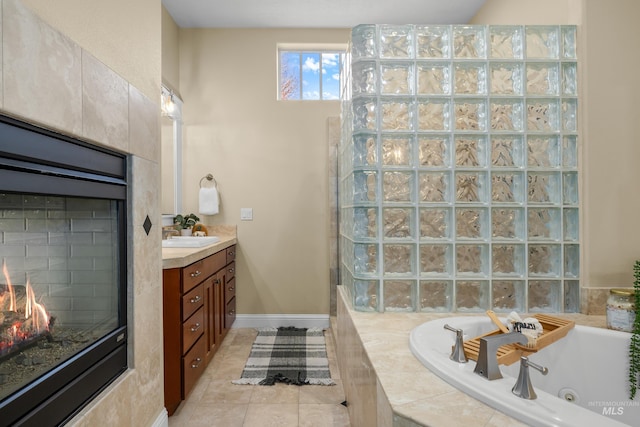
(415, 393)
(182, 257)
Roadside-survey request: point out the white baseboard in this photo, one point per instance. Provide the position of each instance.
(277, 320)
(162, 420)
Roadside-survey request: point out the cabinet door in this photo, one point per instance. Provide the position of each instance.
(210, 343)
(214, 321)
(218, 304)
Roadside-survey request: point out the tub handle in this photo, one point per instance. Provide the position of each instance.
(457, 351)
(523, 387)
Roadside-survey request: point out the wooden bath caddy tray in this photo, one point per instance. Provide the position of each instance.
(553, 327)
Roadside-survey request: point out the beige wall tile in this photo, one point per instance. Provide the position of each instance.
(124, 34)
(101, 410)
(358, 377)
(147, 387)
(144, 126)
(384, 410)
(42, 71)
(594, 300)
(105, 108)
(144, 200)
(147, 337)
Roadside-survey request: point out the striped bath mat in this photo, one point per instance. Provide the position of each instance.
(289, 355)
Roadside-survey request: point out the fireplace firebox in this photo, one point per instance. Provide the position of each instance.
(63, 284)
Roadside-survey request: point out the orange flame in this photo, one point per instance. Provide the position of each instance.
(12, 294)
(36, 319)
(35, 311)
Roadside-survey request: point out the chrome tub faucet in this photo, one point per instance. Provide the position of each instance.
(523, 387)
(457, 353)
(487, 364)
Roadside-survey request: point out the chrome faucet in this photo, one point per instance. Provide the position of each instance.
(523, 387)
(168, 232)
(487, 364)
(457, 353)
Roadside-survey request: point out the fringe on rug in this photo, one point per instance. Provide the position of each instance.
(290, 328)
(322, 381)
(247, 381)
(279, 378)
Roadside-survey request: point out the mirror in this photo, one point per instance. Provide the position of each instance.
(171, 153)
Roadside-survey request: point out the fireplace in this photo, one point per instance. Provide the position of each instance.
(63, 285)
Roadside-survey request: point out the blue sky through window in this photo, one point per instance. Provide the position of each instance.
(331, 76)
(309, 75)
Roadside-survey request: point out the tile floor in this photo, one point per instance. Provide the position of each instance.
(215, 401)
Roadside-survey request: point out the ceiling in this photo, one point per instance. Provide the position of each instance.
(317, 13)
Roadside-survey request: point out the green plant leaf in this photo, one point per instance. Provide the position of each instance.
(634, 345)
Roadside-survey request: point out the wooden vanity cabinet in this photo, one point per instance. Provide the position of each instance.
(213, 298)
(229, 290)
(196, 320)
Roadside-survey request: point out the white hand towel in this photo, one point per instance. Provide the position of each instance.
(209, 201)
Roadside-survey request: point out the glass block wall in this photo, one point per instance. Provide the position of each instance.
(458, 169)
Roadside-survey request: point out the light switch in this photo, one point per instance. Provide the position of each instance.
(246, 214)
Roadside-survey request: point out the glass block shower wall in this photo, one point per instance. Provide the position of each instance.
(458, 169)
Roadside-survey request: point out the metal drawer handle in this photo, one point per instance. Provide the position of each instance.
(216, 281)
(231, 270)
(231, 288)
(196, 299)
(195, 327)
(231, 253)
(232, 312)
(196, 363)
(196, 273)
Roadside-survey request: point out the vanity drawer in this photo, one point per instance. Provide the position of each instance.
(230, 271)
(230, 313)
(192, 301)
(231, 254)
(192, 329)
(193, 365)
(195, 273)
(229, 290)
(192, 275)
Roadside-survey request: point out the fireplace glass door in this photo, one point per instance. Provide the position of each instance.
(59, 282)
(63, 284)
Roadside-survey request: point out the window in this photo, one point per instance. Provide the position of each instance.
(309, 75)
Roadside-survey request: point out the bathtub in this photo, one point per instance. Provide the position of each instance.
(586, 385)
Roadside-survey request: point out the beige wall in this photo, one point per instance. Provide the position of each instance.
(529, 12)
(608, 64)
(612, 150)
(170, 52)
(267, 155)
(123, 34)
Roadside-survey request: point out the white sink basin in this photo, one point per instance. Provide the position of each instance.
(189, 241)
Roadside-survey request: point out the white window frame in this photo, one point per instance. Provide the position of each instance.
(337, 48)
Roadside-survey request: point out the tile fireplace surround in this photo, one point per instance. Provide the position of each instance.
(50, 81)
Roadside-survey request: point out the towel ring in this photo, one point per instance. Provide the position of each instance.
(209, 177)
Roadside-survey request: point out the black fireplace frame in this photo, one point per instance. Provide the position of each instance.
(34, 160)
